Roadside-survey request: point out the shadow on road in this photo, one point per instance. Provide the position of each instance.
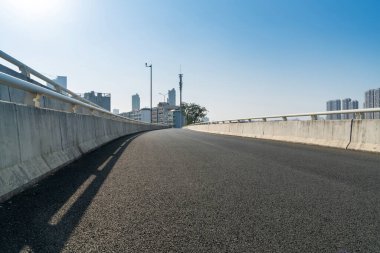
(42, 218)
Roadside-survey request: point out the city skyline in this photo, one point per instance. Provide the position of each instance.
(249, 55)
(341, 104)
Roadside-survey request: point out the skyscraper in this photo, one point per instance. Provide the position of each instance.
(171, 97)
(345, 106)
(372, 100)
(333, 105)
(135, 102)
(376, 103)
(352, 105)
(61, 80)
(101, 99)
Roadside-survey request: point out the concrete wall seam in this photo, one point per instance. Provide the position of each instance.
(352, 121)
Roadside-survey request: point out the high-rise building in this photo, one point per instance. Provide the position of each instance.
(369, 102)
(61, 80)
(171, 97)
(135, 102)
(348, 104)
(333, 105)
(372, 100)
(345, 106)
(376, 103)
(101, 99)
(352, 105)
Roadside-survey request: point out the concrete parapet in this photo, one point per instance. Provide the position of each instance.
(317, 132)
(34, 142)
(323, 133)
(365, 135)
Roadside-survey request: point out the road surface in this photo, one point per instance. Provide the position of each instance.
(185, 191)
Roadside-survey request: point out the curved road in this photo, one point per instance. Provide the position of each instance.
(184, 191)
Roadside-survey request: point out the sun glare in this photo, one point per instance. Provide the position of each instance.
(34, 9)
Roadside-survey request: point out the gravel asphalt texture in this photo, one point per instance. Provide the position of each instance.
(184, 191)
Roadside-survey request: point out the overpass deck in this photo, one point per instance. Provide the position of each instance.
(184, 191)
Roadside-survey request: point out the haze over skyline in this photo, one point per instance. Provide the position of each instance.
(239, 58)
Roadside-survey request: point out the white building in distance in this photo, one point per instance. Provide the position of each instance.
(140, 115)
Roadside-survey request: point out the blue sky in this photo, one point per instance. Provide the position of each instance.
(239, 58)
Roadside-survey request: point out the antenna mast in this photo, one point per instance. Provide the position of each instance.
(180, 95)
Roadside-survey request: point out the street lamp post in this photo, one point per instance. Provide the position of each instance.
(150, 66)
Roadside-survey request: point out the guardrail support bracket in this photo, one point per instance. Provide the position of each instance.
(359, 115)
(37, 100)
(284, 118)
(74, 108)
(25, 71)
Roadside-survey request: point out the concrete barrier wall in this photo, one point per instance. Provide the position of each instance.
(34, 142)
(365, 135)
(348, 134)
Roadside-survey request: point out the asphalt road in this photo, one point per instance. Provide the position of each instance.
(184, 191)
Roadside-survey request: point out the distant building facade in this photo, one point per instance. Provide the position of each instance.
(174, 118)
(101, 99)
(135, 102)
(345, 106)
(115, 111)
(333, 105)
(61, 80)
(376, 101)
(372, 100)
(145, 115)
(140, 115)
(352, 105)
(162, 113)
(171, 97)
(369, 102)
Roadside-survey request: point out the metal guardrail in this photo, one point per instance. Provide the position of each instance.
(59, 93)
(358, 114)
(27, 71)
